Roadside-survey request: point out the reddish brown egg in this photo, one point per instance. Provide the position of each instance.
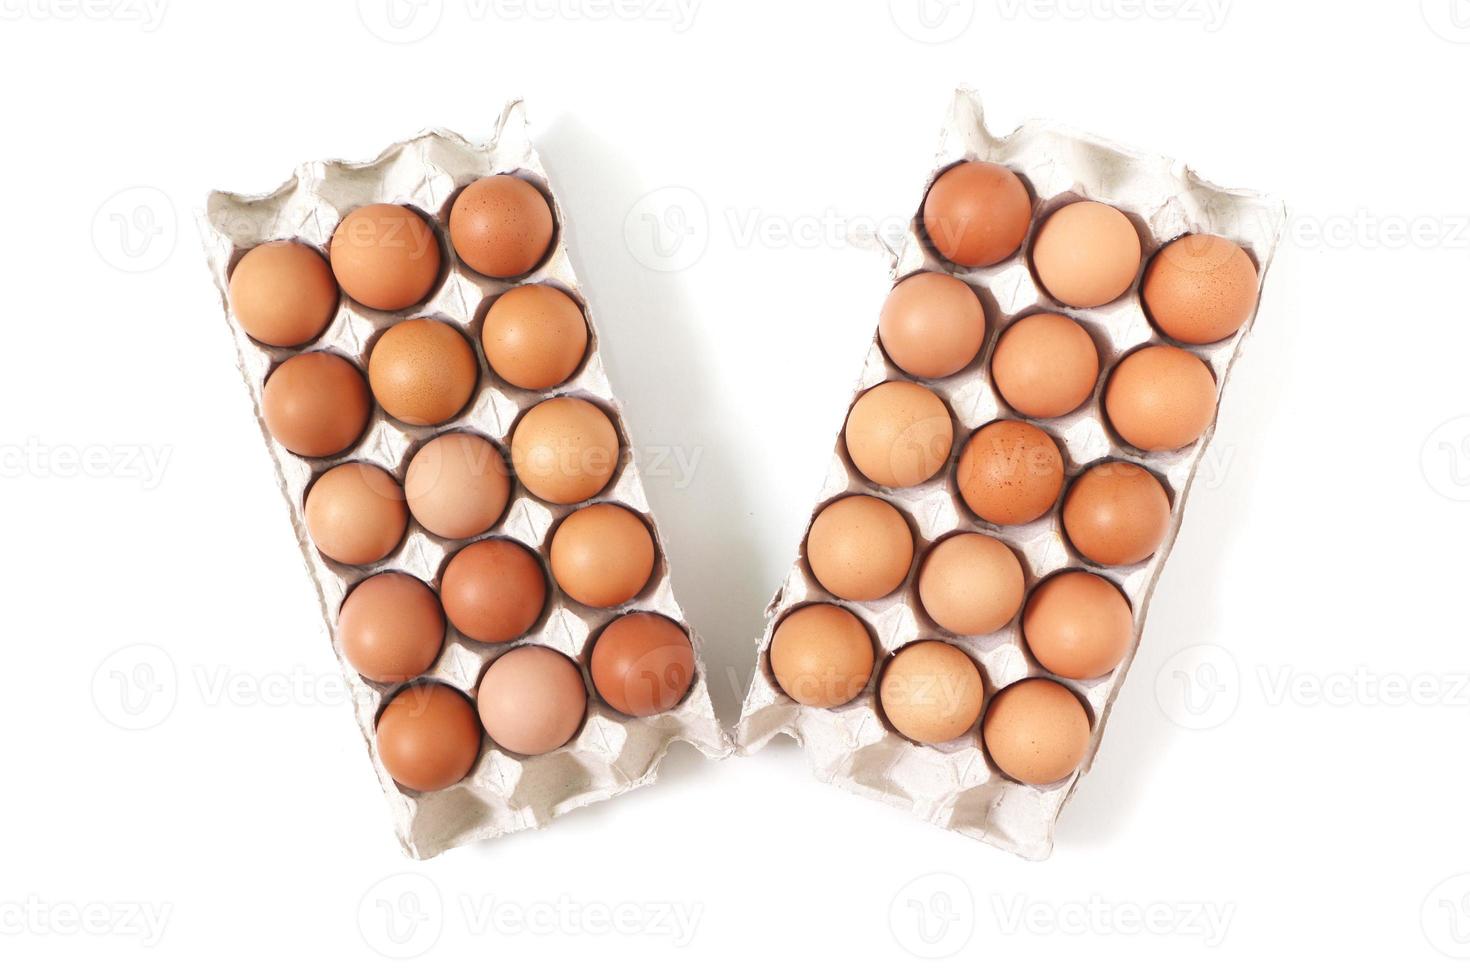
(1078, 625)
(1160, 398)
(532, 700)
(898, 434)
(356, 514)
(391, 627)
(602, 555)
(1200, 288)
(493, 590)
(385, 256)
(315, 404)
(428, 737)
(977, 213)
(971, 584)
(1087, 254)
(564, 450)
(282, 293)
(822, 655)
(1116, 514)
(932, 325)
(1045, 365)
(501, 226)
(931, 692)
(422, 371)
(534, 336)
(1037, 731)
(860, 548)
(642, 664)
(457, 485)
(1010, 472)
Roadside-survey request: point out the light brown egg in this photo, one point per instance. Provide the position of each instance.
(1078, 625)
(315, 404)
(1160, 398)
(493, 590)
(391, 628)
(457, 485)
(1010, 472)
(1037, 731)
(931, 692)
(532, 700)
(282, 293)
(977, 213)
(602, 555)
(1087, 254)
(385, 256)
(534, 336)
(428, 737)
(932, 325)
(1045, 365)
(860, 548)
(356, 514)
(422, 371)
(564, 450)
(501, 226)
(971, 584)
(898, 434)
(1116, 514)
(822, 655)
(642, 664)
(1200, 289)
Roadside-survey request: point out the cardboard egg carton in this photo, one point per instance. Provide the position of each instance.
(954, 785)
(612, 753)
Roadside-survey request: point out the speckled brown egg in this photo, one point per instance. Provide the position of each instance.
(976, 213)
(1200, 288)
(860, 548)
(457, 485)
(1078, 625)
(493, 590)
(534, 336)
(355, 513)
(898, 434)
(532, 700)
(971, 584)
(391, 627)
(316, 404)
(1037, 731)
(1010, 472)
(642, 664)
(1087, 254)
(501, 226)
(822, 655)
(422, 371)
(385, 256)
(602, 555)
(1045, 365)
(564, 450)
(283, 293)
(932, 325)
(428, 737)
(931, 692)
(1160, 398)
(1116, 514)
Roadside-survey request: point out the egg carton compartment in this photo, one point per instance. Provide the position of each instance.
(611, 753)
(954, 785)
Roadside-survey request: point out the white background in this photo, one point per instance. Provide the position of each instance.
(1319, 821)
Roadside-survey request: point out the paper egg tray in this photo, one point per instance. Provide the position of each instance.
(954, 785)
(612, 753)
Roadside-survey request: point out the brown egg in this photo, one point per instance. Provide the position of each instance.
(391, 628)
(1078, 625)
(428, 738)
(602, 555)
(932, 325)
(822, 655)
(898, 434)
(931, 692)
(1160, 398)
(282, 293)
(385, 256)
(457, 485)
(564, 450)
(1200, 289)
(642, 664)
(422, 371)
(534, 336)
(1045, 365)
(315, 404)
(1116, 514)
(1010, 472)
(977, 213)
(971, 584)
(532, 700)
(501, 226)
(355, 513)
(1087, 254)
(1037, 731)
(493, 590)
(860, 548)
